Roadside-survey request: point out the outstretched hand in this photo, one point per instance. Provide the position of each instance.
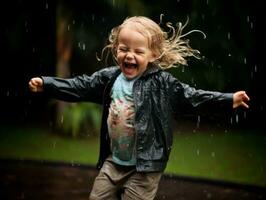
(36, 84)
(240, 98)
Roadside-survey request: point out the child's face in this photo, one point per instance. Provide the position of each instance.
(133, 52)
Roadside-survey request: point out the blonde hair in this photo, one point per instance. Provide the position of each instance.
(170, 47)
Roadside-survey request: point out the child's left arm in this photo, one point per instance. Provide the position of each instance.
(240, 98)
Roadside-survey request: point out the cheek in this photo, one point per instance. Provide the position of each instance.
(119, 57)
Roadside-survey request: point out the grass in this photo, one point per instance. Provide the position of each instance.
(40, 145)
(231, 156)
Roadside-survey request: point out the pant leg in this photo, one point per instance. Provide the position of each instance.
(141, 186)
(109, 182)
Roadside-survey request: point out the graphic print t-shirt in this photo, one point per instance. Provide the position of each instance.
(121, 122)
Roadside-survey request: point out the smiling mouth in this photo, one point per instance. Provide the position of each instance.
(130, 65)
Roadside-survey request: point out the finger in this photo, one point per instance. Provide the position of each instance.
(246, 97)
(244, 104)
(35, 82)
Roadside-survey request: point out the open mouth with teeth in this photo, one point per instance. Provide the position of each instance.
(130, 65)
(130, 69)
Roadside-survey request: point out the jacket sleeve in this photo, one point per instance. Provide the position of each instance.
(186, 98)
(79, 88)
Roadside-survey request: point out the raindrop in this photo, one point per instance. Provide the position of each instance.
(251, 25)
(213, 154)
(248, 18)
(198, 152)
(245, 115)
(229, 35)
(198, 121)
(229, 55)
(7, 93)
(202, 16)
(68, 27)
(73, 22)
(54, 143)
(83, 47)
(207, 2)
(62, 119)
(183, 69)
(46, 6)
(255, 68)
(92, 17)
(33, 50)
(237, 118)
(245, 60)
(192, 80)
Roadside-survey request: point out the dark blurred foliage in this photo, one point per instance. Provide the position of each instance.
(233, 52)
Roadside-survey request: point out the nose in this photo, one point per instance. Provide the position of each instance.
(129, 56)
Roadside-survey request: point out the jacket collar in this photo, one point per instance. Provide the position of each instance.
(152, 68)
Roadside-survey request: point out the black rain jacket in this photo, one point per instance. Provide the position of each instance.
(157, 95)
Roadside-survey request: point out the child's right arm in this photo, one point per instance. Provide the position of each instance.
(36, 84)
(79, 88)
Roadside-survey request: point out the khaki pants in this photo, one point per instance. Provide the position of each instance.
(115, 182)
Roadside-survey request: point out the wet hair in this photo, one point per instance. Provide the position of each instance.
(170, 48)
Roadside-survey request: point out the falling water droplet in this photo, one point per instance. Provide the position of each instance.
(62, 119)
(198, 152)
(251, 25)
(245, 114)
(248, 18)
(245, 60)
(213, 154)
(198, 121)
(46, 6)
(237, 118)
(229, 35)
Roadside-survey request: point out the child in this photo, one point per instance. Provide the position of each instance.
(138, 97)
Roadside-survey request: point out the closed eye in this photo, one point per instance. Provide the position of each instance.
(123, 49)
(140, 52)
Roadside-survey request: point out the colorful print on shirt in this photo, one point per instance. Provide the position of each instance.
(121, 122)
